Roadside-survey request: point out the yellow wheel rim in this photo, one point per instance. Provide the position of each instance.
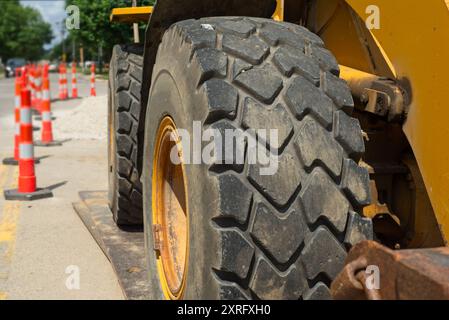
(170, 216)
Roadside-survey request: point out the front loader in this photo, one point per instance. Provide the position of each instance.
(355, 91)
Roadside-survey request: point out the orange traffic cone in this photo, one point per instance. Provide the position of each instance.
(33, 86)
(38, 89)
(74, 82)
(93, 92)
(15, 160)
(65, 90)
(47, 131)
(60, 88)
(27, 178)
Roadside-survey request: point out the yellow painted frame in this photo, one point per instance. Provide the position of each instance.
(415, 40)
(131, 14)
(412, 47)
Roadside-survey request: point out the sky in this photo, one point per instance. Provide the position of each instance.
(53, 11)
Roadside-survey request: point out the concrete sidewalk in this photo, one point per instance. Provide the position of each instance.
(44, 247)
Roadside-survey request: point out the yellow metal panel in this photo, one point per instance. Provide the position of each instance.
(415, 37)
(346, 36)
(278, 14)
(131, 14)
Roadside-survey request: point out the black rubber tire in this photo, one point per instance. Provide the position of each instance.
(125, 188)
(283, 236)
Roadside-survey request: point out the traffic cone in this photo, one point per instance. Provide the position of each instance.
(15, 160)
(38, 89)
(60, 87)
(33, 86)
(45, 71)
(47, 131)
(25, 75)
(93, 92)
(27, 178)
(74, 84)
(65, 91)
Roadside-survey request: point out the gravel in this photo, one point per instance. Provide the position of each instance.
(87, 121)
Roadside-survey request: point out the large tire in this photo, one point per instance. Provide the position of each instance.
(283, 236)
(125, 189)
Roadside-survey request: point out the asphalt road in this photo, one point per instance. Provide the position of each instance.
(45, 250)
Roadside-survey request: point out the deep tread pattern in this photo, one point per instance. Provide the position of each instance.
(256, 116)
(224, 105)
(252, 49)
(316, 145)
(282, 236)
(211, 62)
(319, 292)
(231, 291)
(359, 229)
(235, 198)
(346, 132)
(280, 186)
(262, 82)
(269, 284)
(279, 235)
(275, 35)
(323, 254)
(290, 61)
(239, 28)
(326, 59)
(233, 148)
(337, 89)
(237, 253)
(356, 183)
(304, 98)
(334, 207)
(127, 60)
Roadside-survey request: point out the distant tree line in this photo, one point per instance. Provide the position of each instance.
(23, 32)
(96, 31)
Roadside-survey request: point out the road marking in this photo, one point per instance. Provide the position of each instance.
(8, 225)
(3, 176)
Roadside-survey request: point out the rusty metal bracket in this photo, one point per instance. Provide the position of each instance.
(157, 239)
(381, 96)
(403, 274)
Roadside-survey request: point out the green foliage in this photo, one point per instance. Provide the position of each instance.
(96, 29)
(23, 32)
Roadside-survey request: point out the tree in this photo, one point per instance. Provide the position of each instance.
(95, 28)
(23, 32)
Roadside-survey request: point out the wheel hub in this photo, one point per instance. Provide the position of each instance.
(170, 218)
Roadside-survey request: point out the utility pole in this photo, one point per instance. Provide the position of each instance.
(61, 24)
(100, 58)
(73, 50)
(82, 56)
(64, 56)
(135, 26)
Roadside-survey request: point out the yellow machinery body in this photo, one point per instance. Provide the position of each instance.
(412, 46)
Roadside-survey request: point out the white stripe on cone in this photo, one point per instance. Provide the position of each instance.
(26, 151)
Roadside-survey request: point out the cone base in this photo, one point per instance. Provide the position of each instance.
(39, 118)
(15, 195)
(13, 162)
(53, 143)
(10, 162)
